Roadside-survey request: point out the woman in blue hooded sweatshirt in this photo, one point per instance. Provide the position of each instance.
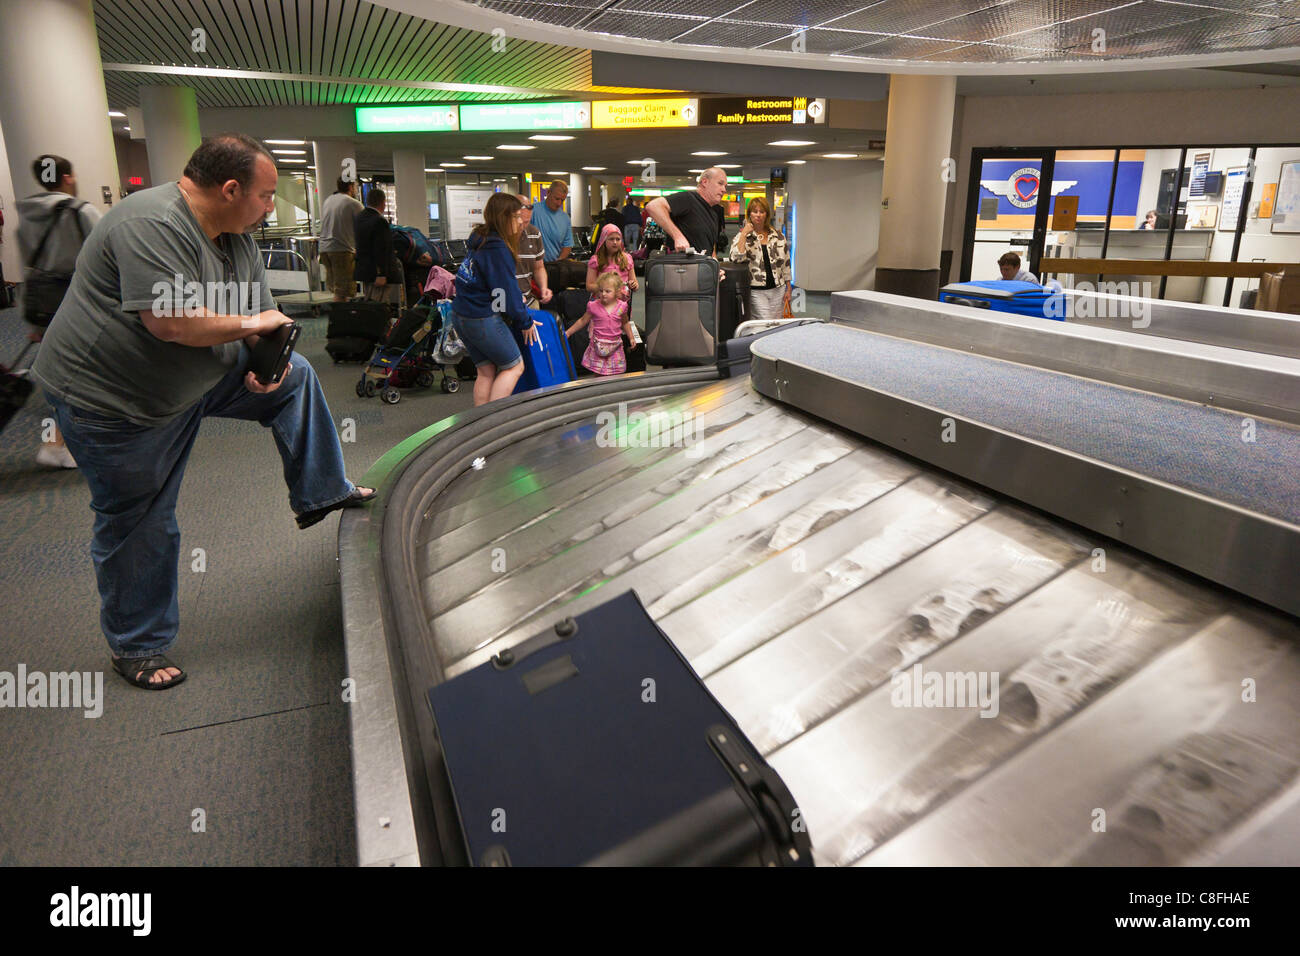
(488, 297)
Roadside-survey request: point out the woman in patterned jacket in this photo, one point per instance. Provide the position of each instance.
(768, 254)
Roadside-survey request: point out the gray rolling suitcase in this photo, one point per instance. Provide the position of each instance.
(681, 309)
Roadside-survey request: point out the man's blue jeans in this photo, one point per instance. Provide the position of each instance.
(134, 473)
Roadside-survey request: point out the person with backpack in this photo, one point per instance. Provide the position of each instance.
(53, 225)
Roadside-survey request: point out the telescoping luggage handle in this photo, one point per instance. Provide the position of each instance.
(761, 789)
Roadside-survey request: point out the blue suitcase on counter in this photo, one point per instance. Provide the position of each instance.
(1007, 295)
(547, 361)
(595, 743)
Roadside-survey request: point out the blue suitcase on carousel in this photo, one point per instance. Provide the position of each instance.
(1007, 295)
(547, 361)
(594, 743)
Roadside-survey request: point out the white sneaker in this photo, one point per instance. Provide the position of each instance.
(55, 456)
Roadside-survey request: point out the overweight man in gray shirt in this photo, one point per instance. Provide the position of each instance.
(153, 336)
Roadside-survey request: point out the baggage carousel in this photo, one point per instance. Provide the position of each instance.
(981, 592)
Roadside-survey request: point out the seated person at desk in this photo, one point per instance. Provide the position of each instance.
(1009, 265)
(1150, 221)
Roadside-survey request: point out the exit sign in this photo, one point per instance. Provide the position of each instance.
(135, 180)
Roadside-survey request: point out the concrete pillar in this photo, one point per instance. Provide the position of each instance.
(171, 129)
(54, 99)
(408, 180)
(579, 208)
(917, 178)
(821, 197)
(335, 159)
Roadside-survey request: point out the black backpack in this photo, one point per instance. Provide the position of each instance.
(43, 291)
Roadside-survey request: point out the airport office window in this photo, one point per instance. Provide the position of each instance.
(1234, 203)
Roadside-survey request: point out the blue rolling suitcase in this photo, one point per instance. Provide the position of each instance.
(594, 743)
(1006, 295)
(547, 361)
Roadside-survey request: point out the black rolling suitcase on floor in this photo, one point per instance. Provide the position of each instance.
(681, 309)
(571, 305)
(733, 297)
(354, 329)
(594, 743)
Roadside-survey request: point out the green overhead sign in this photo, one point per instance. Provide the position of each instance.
(525, 116)
(406, 119)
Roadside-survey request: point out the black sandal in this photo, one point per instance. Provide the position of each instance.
(316, 515)
(138, 670)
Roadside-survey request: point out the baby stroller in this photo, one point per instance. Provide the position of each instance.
(409, 356)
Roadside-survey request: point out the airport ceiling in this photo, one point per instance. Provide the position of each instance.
(334, 53)
(967, 33)
(318, 52)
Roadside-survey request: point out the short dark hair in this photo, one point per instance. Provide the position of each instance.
(344, 185)
(224, 157)
(1010, 259)
(376, 197)
(62, 167)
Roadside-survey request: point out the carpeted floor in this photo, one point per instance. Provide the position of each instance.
(248, 761)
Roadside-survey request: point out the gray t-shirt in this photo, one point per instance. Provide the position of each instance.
(148, 253)
(336, 217)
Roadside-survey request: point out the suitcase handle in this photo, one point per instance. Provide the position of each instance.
(563, 630)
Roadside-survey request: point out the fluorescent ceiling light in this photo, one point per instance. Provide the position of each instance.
(594, 169)
(286, 142)
(476, 157)
(436, 170)
(550, 138)
(286, 160)
(839, 155)
(557, 172)
(639, 162)
(708, 152)
(795, 162)
(695, 170)
(290, 152)
(728, 165)
(452, 165)
(508, 146)
(115, 113)
(126, 129)
(793, 142)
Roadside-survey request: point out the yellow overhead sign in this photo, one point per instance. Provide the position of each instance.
(639, 114)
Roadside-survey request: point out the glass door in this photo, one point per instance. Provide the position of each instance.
(1007, 210)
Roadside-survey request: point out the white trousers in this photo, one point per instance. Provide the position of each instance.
(766, 303)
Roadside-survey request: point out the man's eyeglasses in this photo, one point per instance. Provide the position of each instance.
(527, 206)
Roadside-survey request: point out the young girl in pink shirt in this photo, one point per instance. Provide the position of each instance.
(608, 316)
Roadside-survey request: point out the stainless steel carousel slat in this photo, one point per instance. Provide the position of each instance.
(898, 762)
(471, 603)
(545, 459)
(1172, 755)
(453, 543)
(735, 533)
(793, 682)
(776, 596)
